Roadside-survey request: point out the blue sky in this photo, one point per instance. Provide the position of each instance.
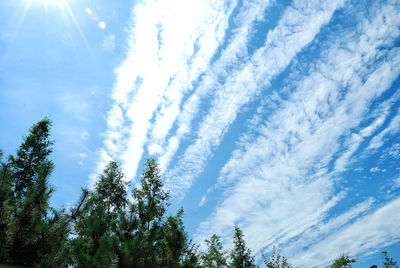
(280, 116)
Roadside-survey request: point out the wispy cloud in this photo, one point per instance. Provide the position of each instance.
(160, 66)
(231, 56)
(375, 230)
(283, 178)
(393, 128)
(281, 45)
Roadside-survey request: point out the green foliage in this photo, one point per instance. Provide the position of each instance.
(31, 160)
(31, 231)
(113, 231)
(276, 260)
(240, 255)
(6, 205)
(151, 197)
(342, 262)
(175, 247)
(142, 228)
(96, 229)
(388, 262)
(215, 257)
(105, 228)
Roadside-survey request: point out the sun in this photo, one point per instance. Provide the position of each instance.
(50, 6)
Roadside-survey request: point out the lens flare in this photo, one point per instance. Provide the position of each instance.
(102, 25)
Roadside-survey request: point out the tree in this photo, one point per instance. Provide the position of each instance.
(97, 242)
(111, 190)
(276, 260)
(6, 204)
(342, 262)
(388, 262)
(32, 232)
(214, 257)
(176, 250)
(151, 197)
(147, 211)
(240, 255)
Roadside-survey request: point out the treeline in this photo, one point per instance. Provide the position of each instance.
(109, 226)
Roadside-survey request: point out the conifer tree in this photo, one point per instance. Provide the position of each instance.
(97, 242)
(173, 240)
(151, 197)
(240, 255)
(215, 257)
(343, 262)
(6, 204)
(276, 260)
(175, 247)
(143, 222)
(32, 232)
(388, 262)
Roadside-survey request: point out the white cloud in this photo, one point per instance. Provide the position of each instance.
(159, 68)
(250, 12)
(282, 44)
(279, 184)
(392, 128)
(202, 201)
(155, 149)
(319, 232)
(375, 169)
(397, 182)
(394, 151)
(353, 142)
(375, 230)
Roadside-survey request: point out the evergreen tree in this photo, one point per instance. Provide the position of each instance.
(342, 262)
(97, 241)
(276, 260)
(191, 258)
(214, 257)
(6, 205)
(141, 229)
(151, 198)
(240, 255)
(388, 262)
(175, 248)
(31, 231)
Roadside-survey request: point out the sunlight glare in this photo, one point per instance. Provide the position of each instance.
(49, 2)
(102, 25)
